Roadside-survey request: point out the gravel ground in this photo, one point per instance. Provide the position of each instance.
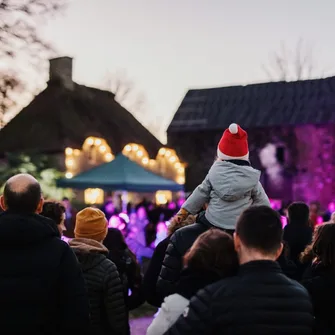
(139, 326)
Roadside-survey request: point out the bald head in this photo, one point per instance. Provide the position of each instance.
(22, 194)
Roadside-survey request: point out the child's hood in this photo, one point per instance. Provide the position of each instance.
(232, 182)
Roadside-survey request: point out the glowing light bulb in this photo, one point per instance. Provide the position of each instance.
(181, 180)
(152, 162)
(127, 147)
(102, 148)
(90, 141)
(162, 151)
(135, 147)
(68, 151)
(181, 170)
(68, 175)
(173, 159)
(108, 157)
(145, 161)
(69, 162)
(97, 141)
(139, 153)
(168, 153)
(177, 165)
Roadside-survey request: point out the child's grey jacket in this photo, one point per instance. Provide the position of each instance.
(228, 189)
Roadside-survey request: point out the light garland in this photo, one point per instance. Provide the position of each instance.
(96, 151)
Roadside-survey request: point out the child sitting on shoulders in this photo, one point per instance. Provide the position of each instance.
(231, 185)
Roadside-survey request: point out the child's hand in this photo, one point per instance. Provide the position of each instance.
(182, 215)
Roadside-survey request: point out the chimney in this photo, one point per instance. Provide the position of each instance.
(61, 72)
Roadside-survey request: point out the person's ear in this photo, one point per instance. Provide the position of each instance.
(237, 242)
(3, 203)
(40, 206)
(280, 250)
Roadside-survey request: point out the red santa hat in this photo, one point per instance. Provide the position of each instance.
(234, 144)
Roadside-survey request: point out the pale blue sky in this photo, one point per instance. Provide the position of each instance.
(169, 46)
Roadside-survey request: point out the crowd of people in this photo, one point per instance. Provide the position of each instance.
(225, 266)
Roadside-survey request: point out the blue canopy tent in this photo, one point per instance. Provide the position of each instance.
(121, 174)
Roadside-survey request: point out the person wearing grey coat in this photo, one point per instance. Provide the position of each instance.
(229, 188)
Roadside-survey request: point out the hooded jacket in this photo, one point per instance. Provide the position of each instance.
(42, 288)
(229, 188)
(105, 291)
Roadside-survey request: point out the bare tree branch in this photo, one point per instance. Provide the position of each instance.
(287, 65)
(125, 92)
(20, 41)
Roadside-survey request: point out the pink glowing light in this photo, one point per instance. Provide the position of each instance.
(319, 220)
(284, 221)
(125, 217)
(114, 222)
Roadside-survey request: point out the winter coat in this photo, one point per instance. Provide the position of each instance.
(229, 188)
(320, 283)
(151, 276)
(180, 242)
(42, 288)
(174, 305)
(105, 291)
(259, 300)
(297, 237)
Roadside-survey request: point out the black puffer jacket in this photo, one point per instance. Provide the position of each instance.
(105, 291)
(260, 300)
(42, 289)
(180, 242)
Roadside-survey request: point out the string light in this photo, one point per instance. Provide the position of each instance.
(181, 180)
(145, 160)
(97, 141)
(76, 152)
(139, 153)
(102, 149)
(173, 159)
(162, 151)
(177, 165)
(181, 170)
(68, 151)
(128, 148)
(108, 157)
(168, 153)
(69, 162)
(90, 141)
(68, 175)
(135, 147)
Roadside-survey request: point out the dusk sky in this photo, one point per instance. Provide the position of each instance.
(169, 46)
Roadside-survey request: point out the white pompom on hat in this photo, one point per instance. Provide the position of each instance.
(233, 144)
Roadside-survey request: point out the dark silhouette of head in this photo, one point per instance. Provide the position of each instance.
(213, 251)
(322, 248)
(258, 234)
(22, 194)
(298, 214)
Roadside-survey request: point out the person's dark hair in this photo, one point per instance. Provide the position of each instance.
(298, 214)
(213, 251)
(322, 248)
(117, 247)
(65, 199)
(53, 210)
(23, 202)
(260, 228)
